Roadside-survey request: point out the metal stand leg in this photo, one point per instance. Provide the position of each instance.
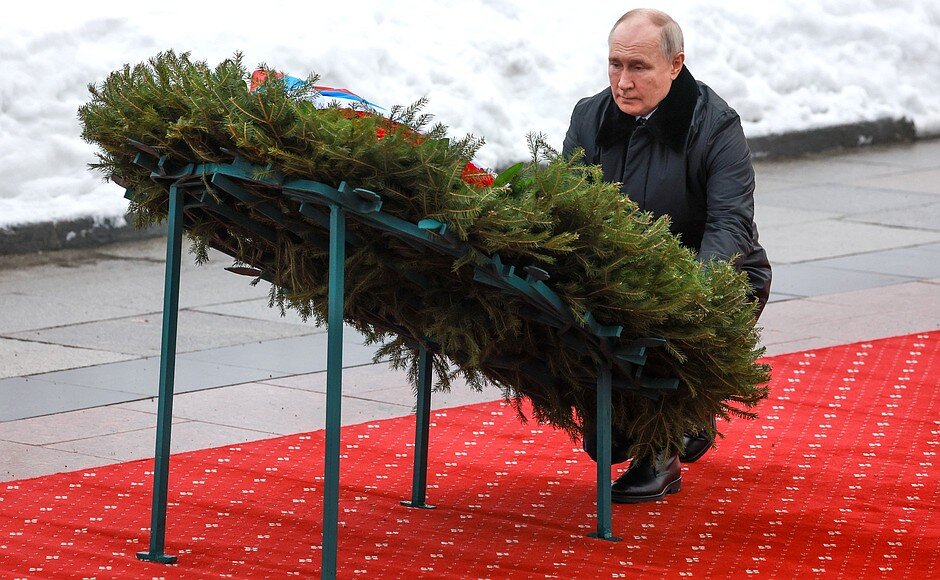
(603, 456)
(334, 390)
(419, 482)
(161, 472)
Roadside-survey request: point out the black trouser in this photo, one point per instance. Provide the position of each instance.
(618, 448)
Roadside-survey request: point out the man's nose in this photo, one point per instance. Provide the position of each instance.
(626, 81)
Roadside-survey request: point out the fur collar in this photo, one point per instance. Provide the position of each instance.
(669, 124)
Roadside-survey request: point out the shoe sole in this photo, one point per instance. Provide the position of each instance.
(673, 487)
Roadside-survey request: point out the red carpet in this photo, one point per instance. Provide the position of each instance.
(838, 478)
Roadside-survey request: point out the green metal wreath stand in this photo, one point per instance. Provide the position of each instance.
(188, 189)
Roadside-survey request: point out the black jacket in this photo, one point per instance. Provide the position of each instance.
(690, 161)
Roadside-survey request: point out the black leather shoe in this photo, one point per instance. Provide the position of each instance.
(696, 445)
(648, 480)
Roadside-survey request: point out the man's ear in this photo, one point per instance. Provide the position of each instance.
(677, 62)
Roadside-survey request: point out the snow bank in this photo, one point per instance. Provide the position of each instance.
(496, 69)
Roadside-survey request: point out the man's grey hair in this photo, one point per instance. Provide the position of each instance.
(671, 41)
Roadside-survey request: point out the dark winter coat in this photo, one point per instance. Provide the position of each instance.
(689, 160)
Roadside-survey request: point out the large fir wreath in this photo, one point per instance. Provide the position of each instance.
(603, 255)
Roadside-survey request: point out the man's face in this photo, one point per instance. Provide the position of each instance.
(640, 76)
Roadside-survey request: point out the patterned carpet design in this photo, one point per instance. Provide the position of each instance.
(837, 478)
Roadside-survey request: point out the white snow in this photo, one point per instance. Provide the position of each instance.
(495, 68)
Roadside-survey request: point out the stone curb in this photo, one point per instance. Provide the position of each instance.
(86, 232)
(77, 233)
(832, 139)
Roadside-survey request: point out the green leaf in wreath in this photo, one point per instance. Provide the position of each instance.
(507, 174)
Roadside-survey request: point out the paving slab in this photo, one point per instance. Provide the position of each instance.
(851, 330)
(915, 262)
(288, 356)
(826, 170)
(924, 181)
(797, 314)
(921, 217)
(765, 183)
(83, 289)
(828, 320)
(22, 397)
(140, 378)
(141, 335)
(275, 410)
(793, 243)
(359, 381)
(380, 382)
(839, 200)
(919, 297)
(923, 154)
(153, 249)
(878, 325)
(21, 310)
(868, 314)
(132, 445)
(767, 215)
(813, 278)
(800, 344)
(82, 424)
(26, 461)
(22, 358)
(781, 297)
(258, 309)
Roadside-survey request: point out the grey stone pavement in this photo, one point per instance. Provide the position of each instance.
(854, 239)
